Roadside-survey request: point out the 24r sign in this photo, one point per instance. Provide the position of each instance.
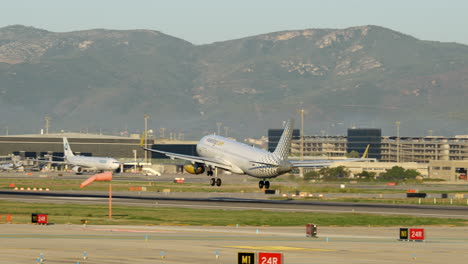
(416, 234)
(270, 258)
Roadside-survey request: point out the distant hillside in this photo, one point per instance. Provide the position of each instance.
(365, 76)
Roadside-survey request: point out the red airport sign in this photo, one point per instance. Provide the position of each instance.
(39, 219)
(416, 234)
(42, 219)
(270, 258)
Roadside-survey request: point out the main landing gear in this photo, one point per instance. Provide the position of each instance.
(214, 181)
(264, 183)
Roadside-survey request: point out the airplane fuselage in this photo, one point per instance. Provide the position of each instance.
(6, 167)
(93, 163)
(10, 166)
(244, 159)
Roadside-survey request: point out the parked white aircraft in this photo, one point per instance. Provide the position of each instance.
(10, 166)
(219, 152)
(81, 163)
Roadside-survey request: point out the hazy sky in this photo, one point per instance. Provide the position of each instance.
(207, 21)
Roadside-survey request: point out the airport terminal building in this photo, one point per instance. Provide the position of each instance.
(434, 157)
(37, 146)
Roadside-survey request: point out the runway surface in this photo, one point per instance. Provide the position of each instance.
(207, 244)
(230, 201)
(25, 243)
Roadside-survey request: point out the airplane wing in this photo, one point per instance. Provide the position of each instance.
(323, 163)
(311, 163)
(50, 161)
(213, 162)
(129, 162)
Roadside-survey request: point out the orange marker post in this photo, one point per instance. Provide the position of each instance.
(110, 200)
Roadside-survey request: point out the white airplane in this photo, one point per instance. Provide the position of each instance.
(10, 166)
(81, 163)
(223, 153)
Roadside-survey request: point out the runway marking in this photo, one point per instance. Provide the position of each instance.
(158, 204)
(305, 210)
(127, 230)
(74, 198)
(280, 248)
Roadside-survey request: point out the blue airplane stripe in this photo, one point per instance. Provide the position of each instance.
(261, 167)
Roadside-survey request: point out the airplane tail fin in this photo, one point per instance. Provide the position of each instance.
(142, 140)
(366, 152)
(284, 144)
(67, 152)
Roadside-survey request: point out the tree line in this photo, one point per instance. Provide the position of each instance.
(396, 173)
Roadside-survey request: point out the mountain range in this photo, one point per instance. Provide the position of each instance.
(106, 80)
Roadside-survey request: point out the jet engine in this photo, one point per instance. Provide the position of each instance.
(196, 168)
(77, 169)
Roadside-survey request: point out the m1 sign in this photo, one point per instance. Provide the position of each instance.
(270, 258)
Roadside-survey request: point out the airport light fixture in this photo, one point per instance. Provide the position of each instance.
(47, 119)
(146, 116)
(301, 112)
(397, 123)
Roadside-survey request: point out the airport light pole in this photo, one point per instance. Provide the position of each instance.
(301, 171)
(146, 136)
(47, 119)
(302, 134)
(135, 159)
(397, 123)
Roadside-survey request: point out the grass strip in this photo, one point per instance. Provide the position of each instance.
(59, 184)
(125, 215)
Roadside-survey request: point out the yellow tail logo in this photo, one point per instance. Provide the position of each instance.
(143, 138)
(366, 152)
